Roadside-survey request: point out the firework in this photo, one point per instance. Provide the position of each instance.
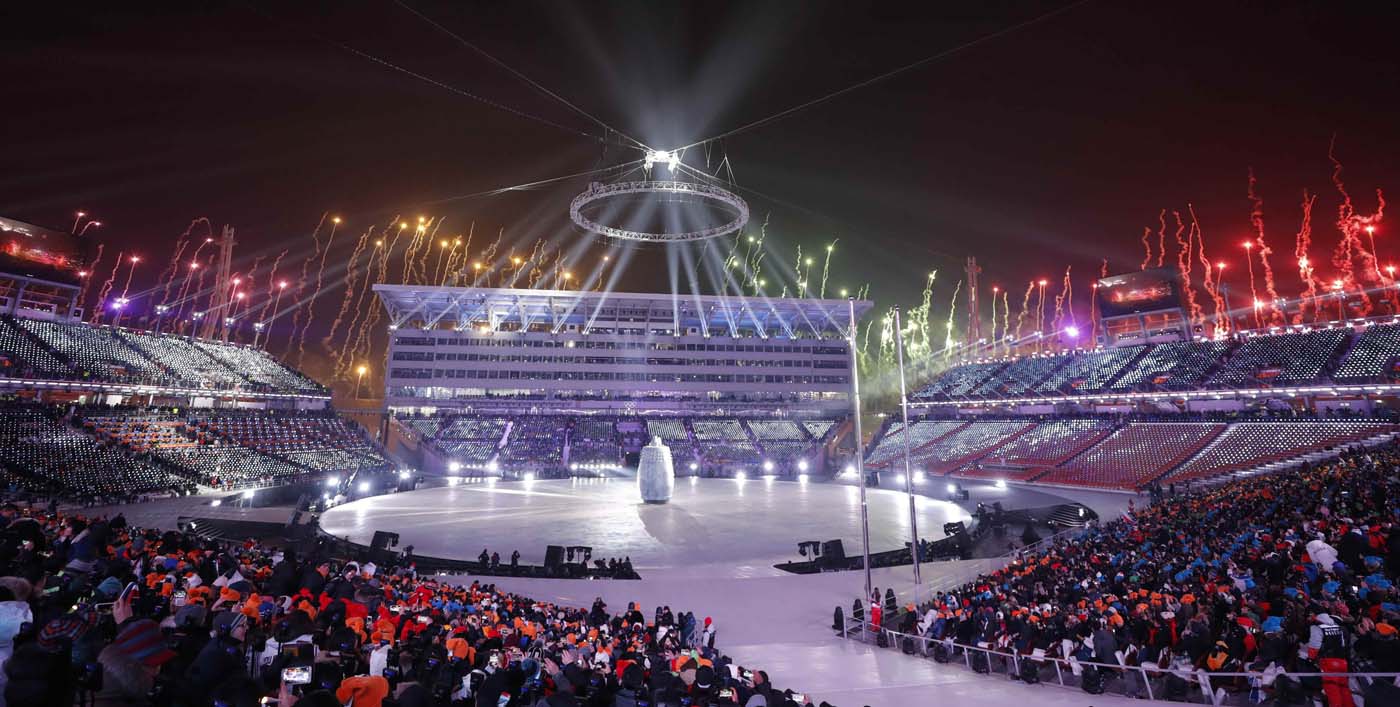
(106, 289)
(1025, 308)
(1302, 244)
(1183, 265)
(1161, 240)
(300, 290)
(351, 275)
(1146, 248)
(1212, 285)
(826, 265)
(1057, 322)
(91, 271)
(952, 313)
(316, 293)
(1256, 219)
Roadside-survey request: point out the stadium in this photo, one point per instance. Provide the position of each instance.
(642, 448)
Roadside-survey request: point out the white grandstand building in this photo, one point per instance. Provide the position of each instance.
(470, 348)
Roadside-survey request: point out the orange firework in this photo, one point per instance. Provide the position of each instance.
(1210, 280)
(1146, 248)
(1183, 266)
(101, 302)
(1161, 237)
(1302, 243)
(1256, 218)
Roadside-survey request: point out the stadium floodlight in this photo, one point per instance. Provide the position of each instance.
(493, 467)
(767, 464)
(899, 479)
(802, 478)
(802, 465)
(453, 480)
(952, 488)
(216, 503)
(1072, 332)
(404, 474)
(850, 470)
(671, 159)
(253, 492)
(740, 476)
(528, 476)
(333, 481)
(1000, 483)
(918, 477)
(364, 487)
(694, 466)
(454, 467)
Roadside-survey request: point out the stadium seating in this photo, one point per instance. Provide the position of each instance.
(964, 445)
(45, 453)
(675, 434)
(818, 428)
(190, 365)
(1050, 443)
(259, 368)
(1089, 372)
(958, 381)
(594, 441)
(1020, 377)
(1175, 366)
(22, 356)
(724, 442)
(97, 352)
(535, 441)
(1373, 356)
(920, 433)
(1280, 359)
(1251, 444)
(81, 352)
(1135, 454)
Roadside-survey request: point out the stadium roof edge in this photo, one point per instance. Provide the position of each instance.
(436, 303)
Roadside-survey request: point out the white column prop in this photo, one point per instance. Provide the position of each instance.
(656, 474)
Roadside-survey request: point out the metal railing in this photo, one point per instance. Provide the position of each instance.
(1152, 682)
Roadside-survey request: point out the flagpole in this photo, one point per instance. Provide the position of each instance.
(908, 469)
(860, 450)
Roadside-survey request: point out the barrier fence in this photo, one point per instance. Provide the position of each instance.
(1173, 683)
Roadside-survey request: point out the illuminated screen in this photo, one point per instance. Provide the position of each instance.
(35, 251)
(1136, 292)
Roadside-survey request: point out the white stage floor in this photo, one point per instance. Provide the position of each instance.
(729, 527)
(711, 551)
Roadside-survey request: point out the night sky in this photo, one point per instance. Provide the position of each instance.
(1049, 146)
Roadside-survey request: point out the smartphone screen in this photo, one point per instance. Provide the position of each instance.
(297, 675)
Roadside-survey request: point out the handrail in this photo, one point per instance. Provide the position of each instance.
(1198, 676)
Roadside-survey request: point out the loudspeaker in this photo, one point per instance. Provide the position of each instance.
(833, 555)
(383, 540)
(553, 557)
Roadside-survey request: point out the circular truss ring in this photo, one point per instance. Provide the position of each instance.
(599, 192)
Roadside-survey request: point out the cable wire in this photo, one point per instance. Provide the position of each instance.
(530, 185)
(533, 83)
(427, 79)
(893, 72)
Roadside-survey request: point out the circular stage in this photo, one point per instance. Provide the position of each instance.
(711, 522)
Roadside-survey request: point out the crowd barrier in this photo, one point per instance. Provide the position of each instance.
(1175, 683)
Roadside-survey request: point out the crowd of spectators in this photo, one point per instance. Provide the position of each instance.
(1286, 573)
(1339, 354)
(95, 610)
